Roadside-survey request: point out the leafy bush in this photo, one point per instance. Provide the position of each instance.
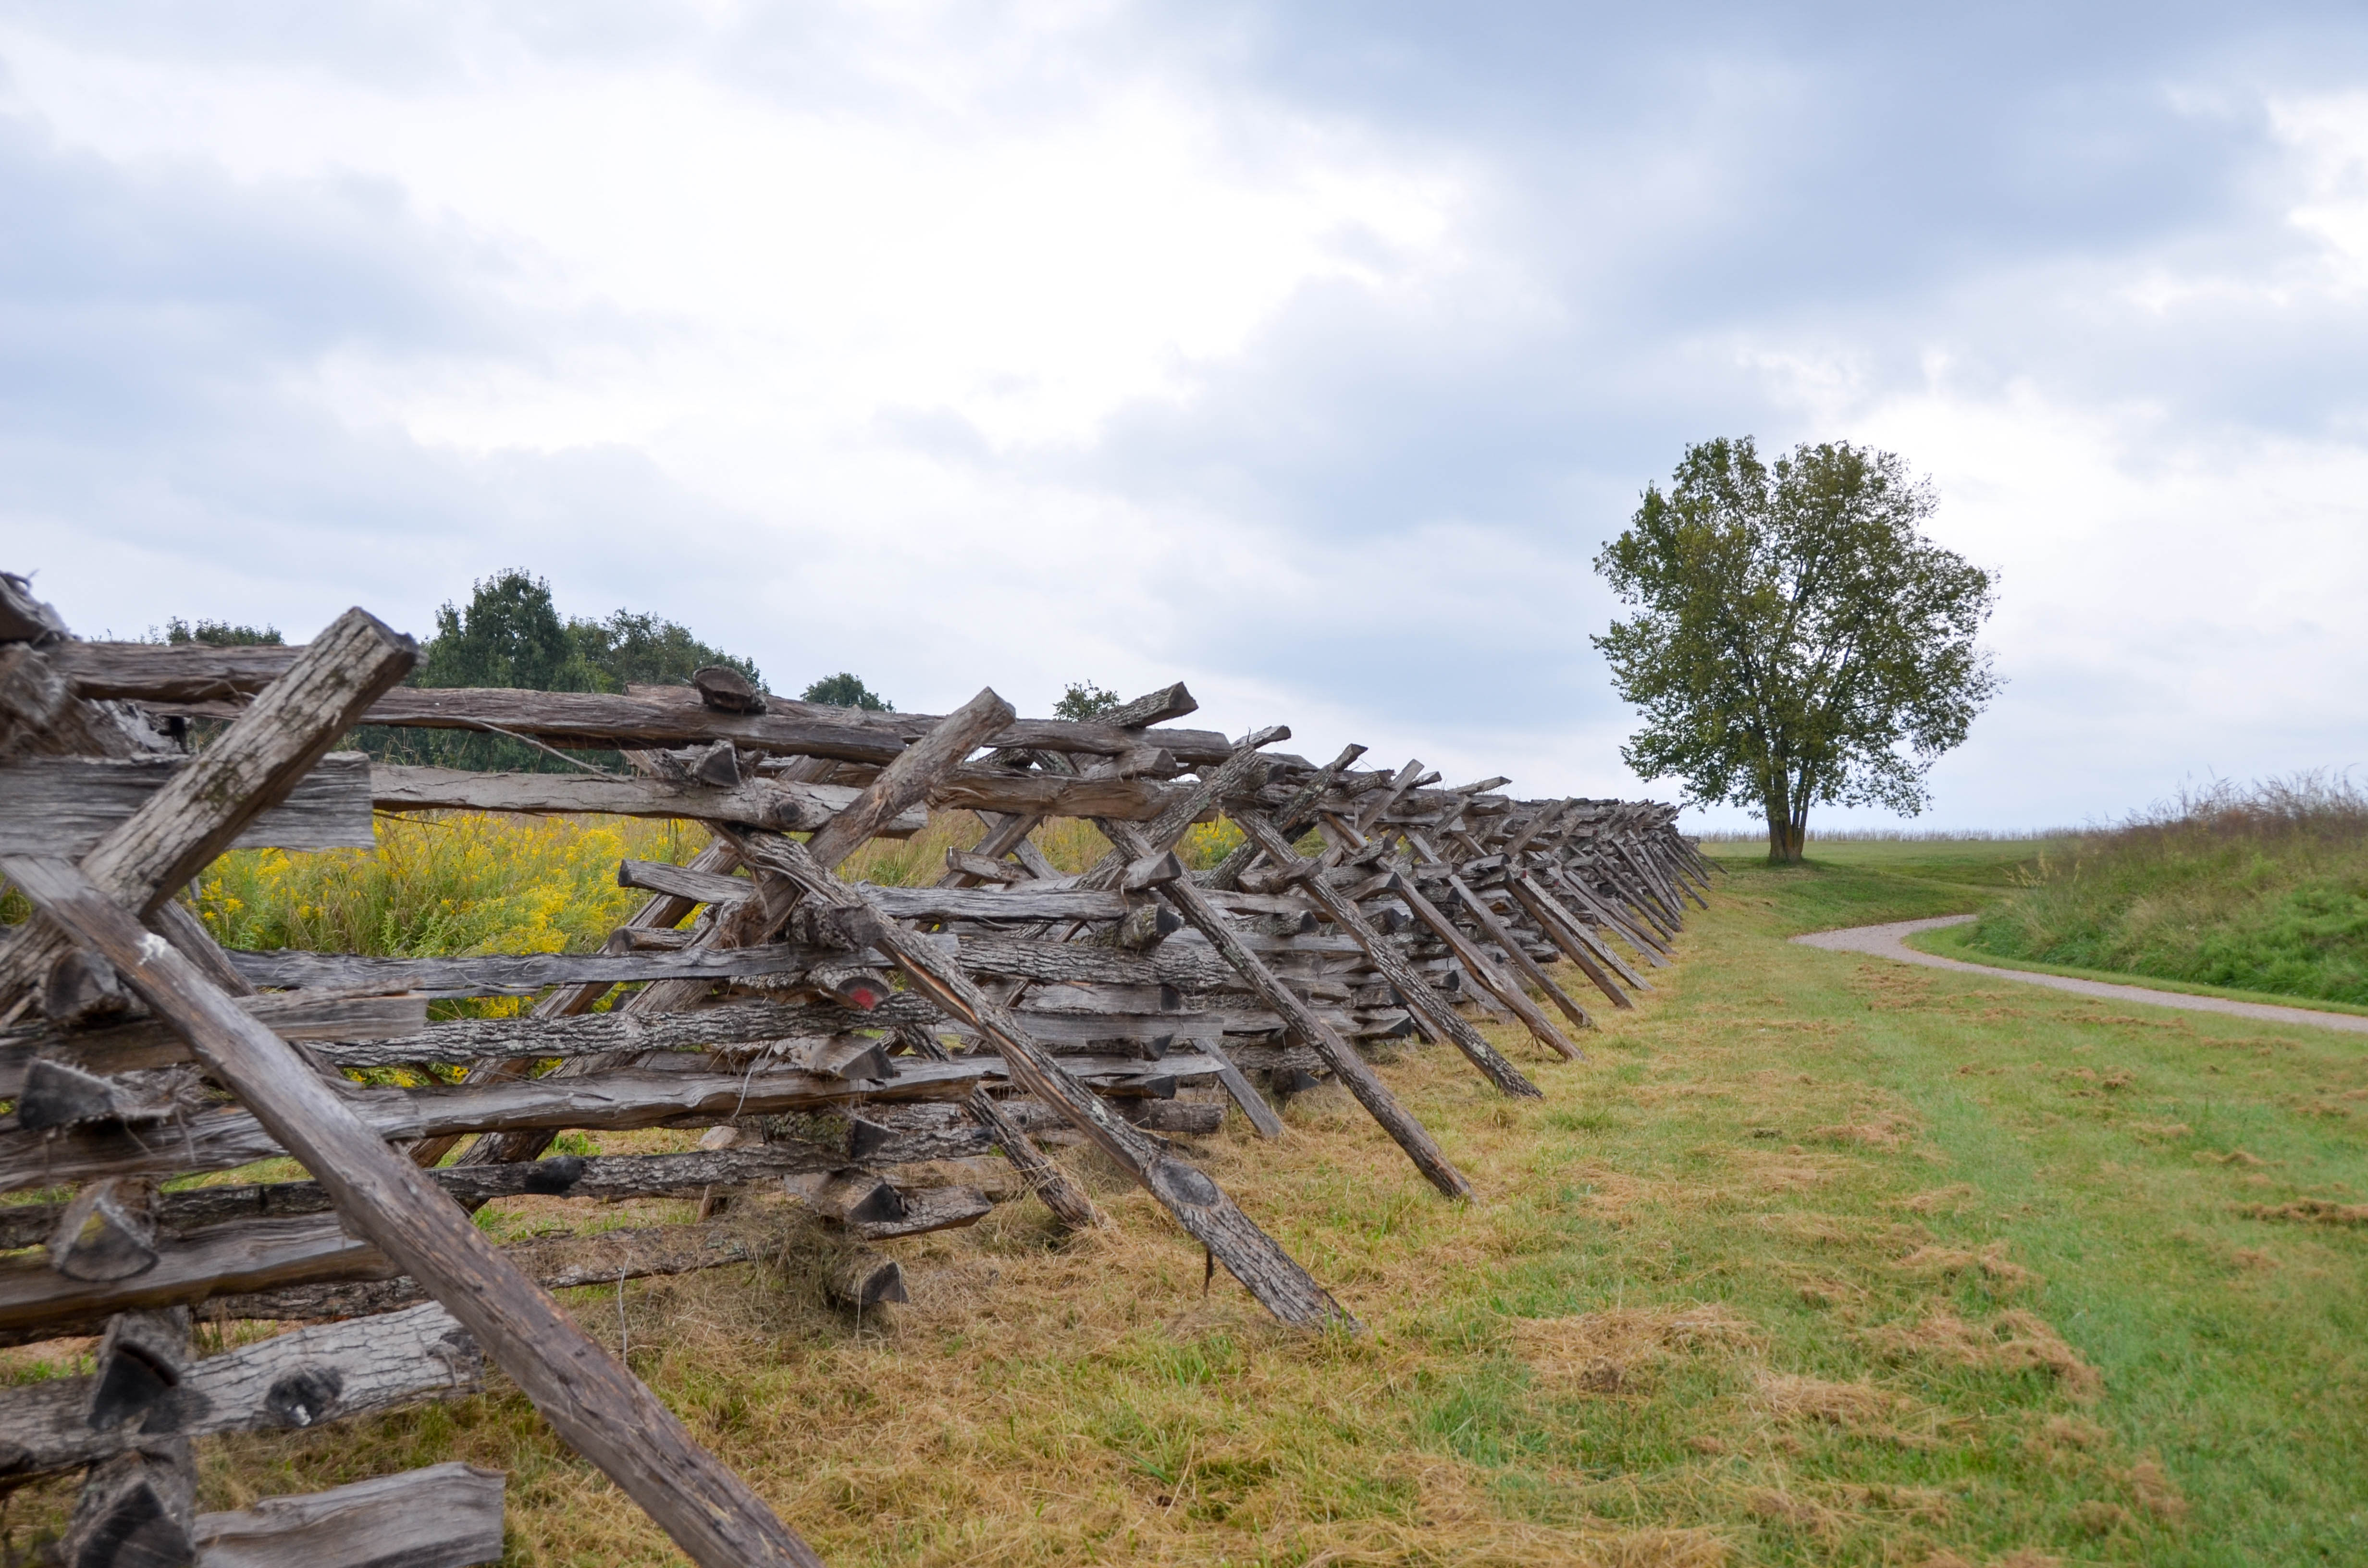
(843, 691)
(2259, 888)
(1084, 700)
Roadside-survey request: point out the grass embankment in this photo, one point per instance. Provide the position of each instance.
(1817, 1260)
(2262, 891)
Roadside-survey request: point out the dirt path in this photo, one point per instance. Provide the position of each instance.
(1884, 941)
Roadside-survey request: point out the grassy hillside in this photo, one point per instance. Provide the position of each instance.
(2262, 890)
(1818, 1259)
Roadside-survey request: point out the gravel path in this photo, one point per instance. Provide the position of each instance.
(1884, 941)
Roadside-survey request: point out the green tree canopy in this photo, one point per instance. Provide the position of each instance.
(843, 691)
(1799, 641)
(1084, 700)
(217, 635)
(511, 634)
(641, 650)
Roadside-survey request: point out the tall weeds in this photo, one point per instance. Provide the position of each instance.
(440, 886)
(2261, 887)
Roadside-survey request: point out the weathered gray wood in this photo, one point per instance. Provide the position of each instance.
(209, 801)
(659, 915)
(1489, 922)
(604, 1177)
(62, 806)
(1152, 708)
(1138, 932)
(758, 803)
(149, 1044)
(619, 1100)
(1290, 814)
(1243, 766)
(1438, 1015)
(38, 1303)
(142, 1363)
(81, 991)
(597, 1407)
(106, 1231)
(1478, 965)
(308, 1267)
(1536, 903)
(985, 868)
(297, 1380)
(731, 1027)
(164, 677)
(1647, 947)
(24, 618)
(1054, 1186)
(1199, 1204)
(925, 1211)
(517, 974)
(683, 883)
(863, 1279)
(137, 1510)
(1351, 1069)
(446, 1515)
(1556, 914)
(1045, 795)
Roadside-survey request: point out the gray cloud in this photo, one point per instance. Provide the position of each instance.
(1386, 502)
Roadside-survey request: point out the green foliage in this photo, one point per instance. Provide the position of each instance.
(2263, 888)
(843, 691)
(511, 634)
(627, 648)
(1800, 642)
(217, 633)
(1084, 700)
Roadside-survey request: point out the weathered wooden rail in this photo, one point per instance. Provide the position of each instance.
(833, 1036)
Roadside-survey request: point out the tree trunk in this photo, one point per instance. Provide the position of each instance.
(1785, 828)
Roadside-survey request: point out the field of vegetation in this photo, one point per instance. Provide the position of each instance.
(1818, 1259)
(2261, 890)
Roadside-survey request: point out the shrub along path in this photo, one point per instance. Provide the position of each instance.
(1889, 941)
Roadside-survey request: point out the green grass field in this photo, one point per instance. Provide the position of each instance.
(2263, 888)
(1818, 1259)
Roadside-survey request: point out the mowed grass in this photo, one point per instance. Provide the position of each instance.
(1818, 1259)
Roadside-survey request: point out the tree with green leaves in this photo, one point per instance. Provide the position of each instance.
(1084, 700)
(217, 635)
(843, 691)
(1799, 641)
(510, 633)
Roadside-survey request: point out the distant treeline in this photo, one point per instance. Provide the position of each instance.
(511, 634)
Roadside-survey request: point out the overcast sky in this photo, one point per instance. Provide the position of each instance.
(1305, 353)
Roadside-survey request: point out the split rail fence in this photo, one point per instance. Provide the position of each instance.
(829, 1034)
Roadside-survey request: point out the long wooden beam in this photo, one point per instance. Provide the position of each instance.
(62, 806)
(618, 1099)
(207, 682)
(314, 1375)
